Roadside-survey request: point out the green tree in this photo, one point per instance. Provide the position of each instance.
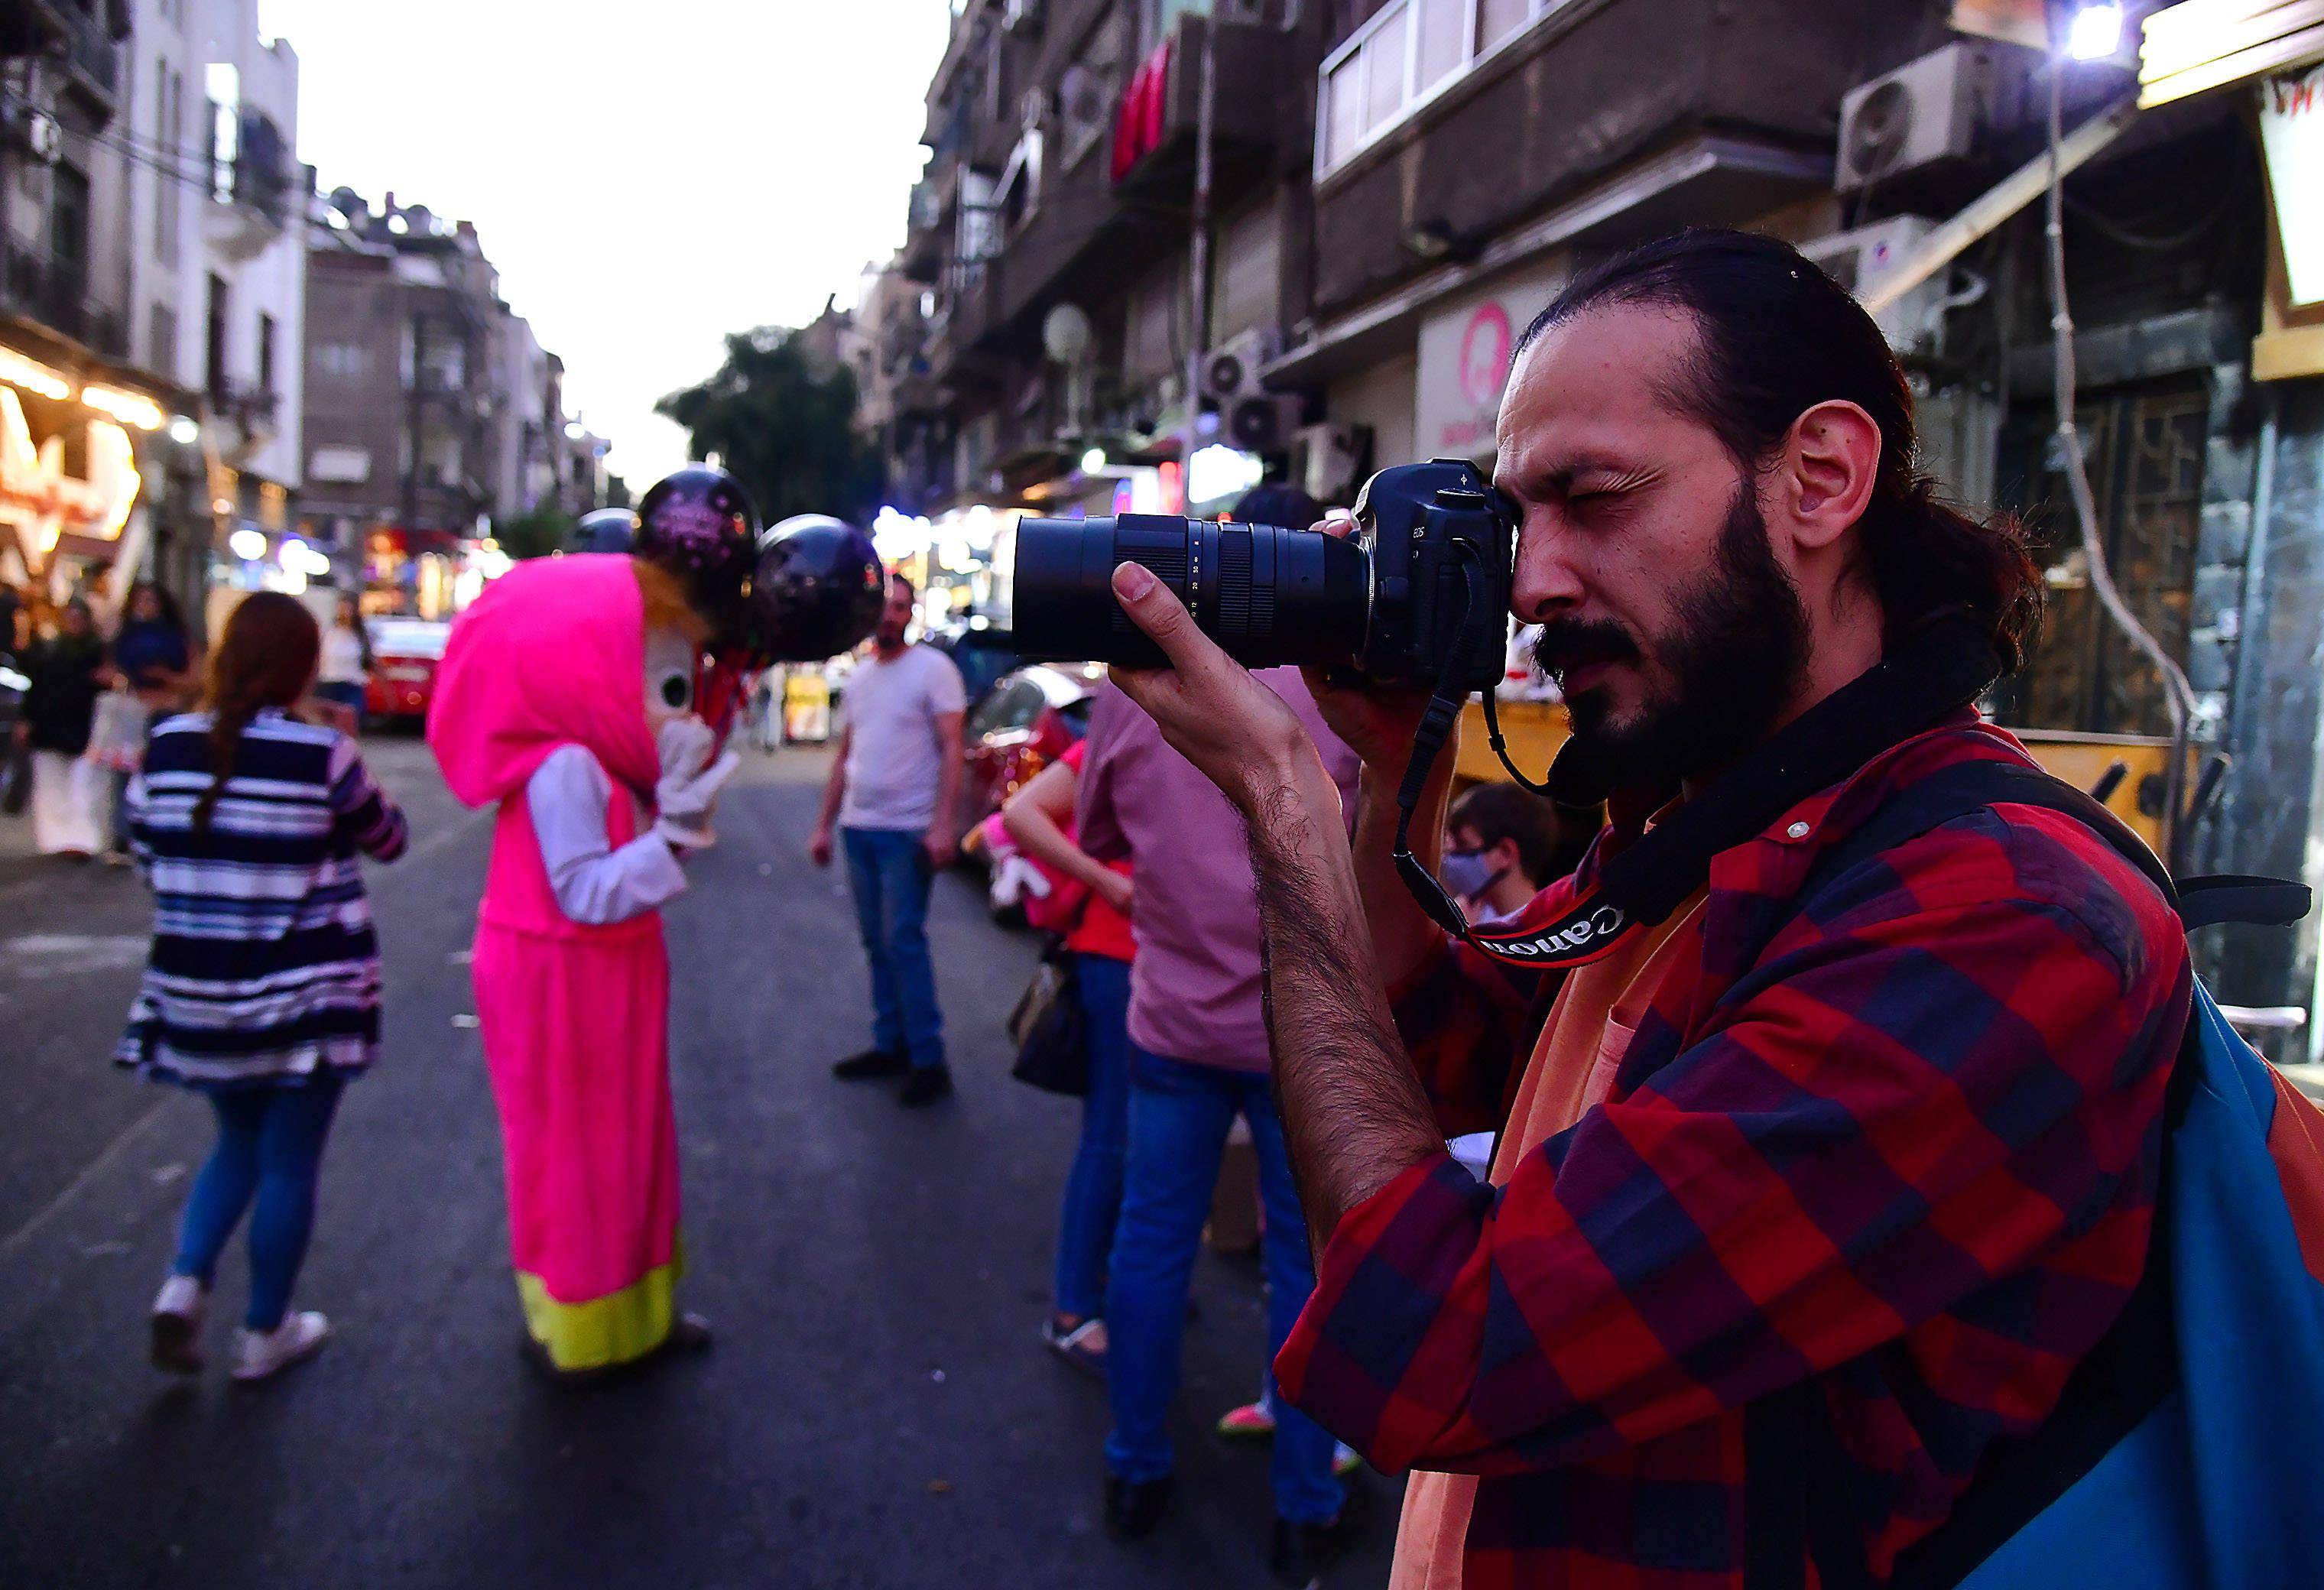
(535, 533)
(782, 427)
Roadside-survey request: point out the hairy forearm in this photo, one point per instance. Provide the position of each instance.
(1402, 935)
(1354, 1116)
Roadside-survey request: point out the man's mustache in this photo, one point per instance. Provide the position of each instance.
(1565, 644)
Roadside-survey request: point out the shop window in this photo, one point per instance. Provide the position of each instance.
(2145, 450)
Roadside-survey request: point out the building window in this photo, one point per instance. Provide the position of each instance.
(214, 340)
(1408, 53)
(266, 352)
(342, 361)
(223, 82)
(161, 355)
(68, 234)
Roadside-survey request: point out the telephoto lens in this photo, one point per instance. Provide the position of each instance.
(1267, 594)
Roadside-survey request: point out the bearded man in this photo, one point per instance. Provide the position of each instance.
(1868, 1137)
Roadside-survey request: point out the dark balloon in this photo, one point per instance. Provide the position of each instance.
(817, 592)
(698, 523)
(608, 529)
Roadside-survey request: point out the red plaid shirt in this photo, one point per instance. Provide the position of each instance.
(1908, 1146)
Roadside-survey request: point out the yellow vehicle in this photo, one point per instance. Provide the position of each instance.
(1535, 729)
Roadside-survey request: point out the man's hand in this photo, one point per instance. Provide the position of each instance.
(940, 845)
(818, 848)
(1236, 731)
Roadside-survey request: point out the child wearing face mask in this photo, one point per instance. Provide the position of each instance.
(565, 696)
(1498, 844)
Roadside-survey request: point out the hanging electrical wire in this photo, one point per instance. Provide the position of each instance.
(2178, 693)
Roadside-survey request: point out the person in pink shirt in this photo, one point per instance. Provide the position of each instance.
(1198, 1057)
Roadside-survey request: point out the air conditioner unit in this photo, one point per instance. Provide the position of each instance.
(1261, 422)
(1231, 370)
(1325, 460)
(35, 131)
(1863, 259)
(1930, 110)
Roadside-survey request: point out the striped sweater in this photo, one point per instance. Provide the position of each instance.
(264, 964)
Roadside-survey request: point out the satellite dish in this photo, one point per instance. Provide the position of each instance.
(1065, 334)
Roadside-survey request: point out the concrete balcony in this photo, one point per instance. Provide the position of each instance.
(1155, 130)
(53, 291)
(84, 35)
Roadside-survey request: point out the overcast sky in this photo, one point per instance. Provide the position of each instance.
(646, 177)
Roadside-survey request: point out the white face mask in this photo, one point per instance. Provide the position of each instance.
(669, 677)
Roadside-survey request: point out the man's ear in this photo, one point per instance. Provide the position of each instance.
(1823, 477)
(1505, 856)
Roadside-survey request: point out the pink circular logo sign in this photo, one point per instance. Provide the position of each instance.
(1485, 355)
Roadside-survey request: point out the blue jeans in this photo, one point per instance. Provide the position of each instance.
(889, 874)
(1178, 1119)
(269, 1148)
(1094, 1186)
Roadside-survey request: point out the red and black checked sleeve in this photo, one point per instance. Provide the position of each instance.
(1957, 1079)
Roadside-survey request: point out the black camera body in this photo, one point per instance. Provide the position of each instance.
(1429, 562)
(1426, 528)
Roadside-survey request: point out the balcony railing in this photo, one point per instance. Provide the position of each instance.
(85, 35)
(52, 291)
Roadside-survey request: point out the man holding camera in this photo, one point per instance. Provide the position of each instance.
(1871, 1139)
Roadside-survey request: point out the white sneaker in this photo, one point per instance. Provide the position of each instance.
(176, 1325)
(258, 1353)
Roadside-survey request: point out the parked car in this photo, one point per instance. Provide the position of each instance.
(1024, 723)
(984, 657)
(404, 655)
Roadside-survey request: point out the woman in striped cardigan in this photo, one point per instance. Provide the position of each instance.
(262, 990)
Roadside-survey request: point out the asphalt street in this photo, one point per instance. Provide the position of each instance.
(878, 1411)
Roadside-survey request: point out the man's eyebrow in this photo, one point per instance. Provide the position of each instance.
(1559, 472)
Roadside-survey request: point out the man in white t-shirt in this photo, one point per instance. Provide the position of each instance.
(893, 791)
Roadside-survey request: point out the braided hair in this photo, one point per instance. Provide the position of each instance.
(266, 659)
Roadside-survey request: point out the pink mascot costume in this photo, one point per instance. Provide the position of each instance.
(561, 698)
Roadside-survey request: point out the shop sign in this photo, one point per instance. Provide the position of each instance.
(44, 504)
(1465, 350)
(2291, 132)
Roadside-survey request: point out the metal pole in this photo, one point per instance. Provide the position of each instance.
(1198, 255)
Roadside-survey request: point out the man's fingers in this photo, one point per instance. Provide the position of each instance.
(1339, 522)
(1154, 608)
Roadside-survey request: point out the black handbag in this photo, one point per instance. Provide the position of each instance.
(1052, 1030)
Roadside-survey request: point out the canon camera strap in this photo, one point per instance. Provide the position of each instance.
(1932, 673)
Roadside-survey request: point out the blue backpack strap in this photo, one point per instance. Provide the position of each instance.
(1795, 1504)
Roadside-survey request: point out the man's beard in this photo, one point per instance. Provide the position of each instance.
(889, 638)
(1735, 655)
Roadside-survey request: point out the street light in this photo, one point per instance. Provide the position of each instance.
(247, 545)
(1093, 461)
(2095, 33)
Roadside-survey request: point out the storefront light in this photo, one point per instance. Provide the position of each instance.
(185, 430)
(128, 408)
(1093, 461)
(33, 376)
(247, 545)
(1217, 471)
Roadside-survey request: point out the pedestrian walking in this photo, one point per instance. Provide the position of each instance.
(67, 670)
(893, 795)
(564, 699)
(153, 675)
(1198, 1057)
(1100, 941)
(346, 660)
(261, 988)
